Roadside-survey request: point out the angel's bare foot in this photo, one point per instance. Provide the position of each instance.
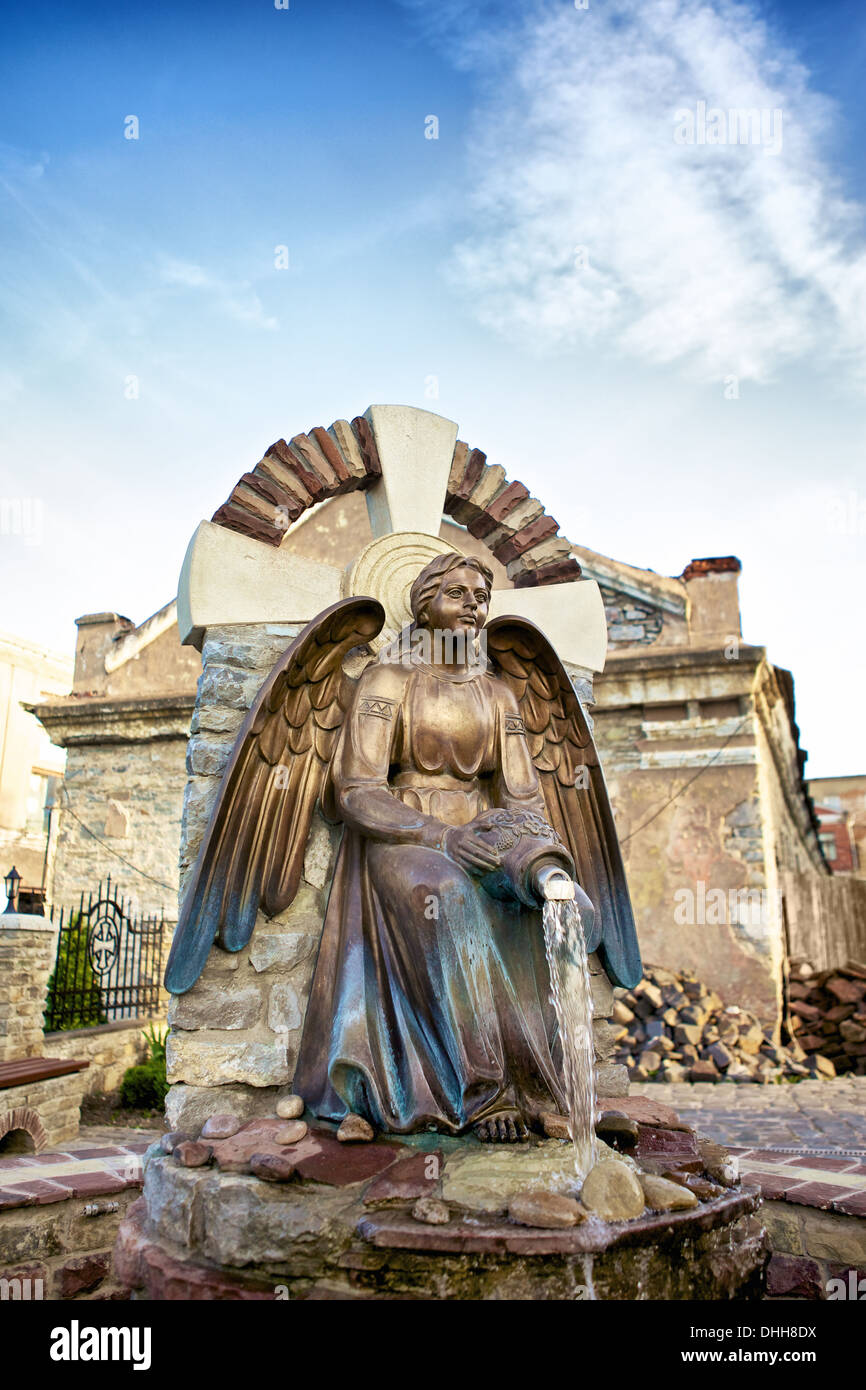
(504, 1127)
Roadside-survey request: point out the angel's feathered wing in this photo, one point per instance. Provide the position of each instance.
(578, 805)
(252, 854)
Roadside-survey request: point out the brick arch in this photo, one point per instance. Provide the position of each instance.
(324, 463)
(28, 1120)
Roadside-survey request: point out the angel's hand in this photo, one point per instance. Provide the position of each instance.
(468, 848)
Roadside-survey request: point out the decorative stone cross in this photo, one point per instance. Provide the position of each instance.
(231, 578)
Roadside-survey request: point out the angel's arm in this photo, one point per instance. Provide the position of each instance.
(359, 772)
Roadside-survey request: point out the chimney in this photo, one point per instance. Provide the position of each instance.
(97, 633)
(714, 600)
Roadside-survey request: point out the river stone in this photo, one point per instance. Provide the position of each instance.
(272, 1167)
(291, 1133)
(431, 1211)
(290, 1107)
(169, 1142)
(721, 1166)
(555, 1126)
(221, 1126)
(662, 1195)
(192, 1154)
(612, 1191)
(548, 1209)
(355, 1129)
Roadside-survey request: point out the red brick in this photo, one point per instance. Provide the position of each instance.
(43, 1193)
(846, 991)
(523, 540)
(348, 481)
(562, 572)
(813, 1194)
(475, 464)
(367, 444)
(9, 1197)
(854, 1204)
(92, 1184)
(236, 519)
(822, 1165)
(773, 1188)
(497, 510)
(112, 1152)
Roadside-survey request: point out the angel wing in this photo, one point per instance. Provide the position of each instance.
(252, 854)
(578, 805)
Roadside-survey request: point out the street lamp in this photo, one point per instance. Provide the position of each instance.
(12, 880)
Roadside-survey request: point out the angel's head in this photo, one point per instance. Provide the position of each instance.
(452, 593)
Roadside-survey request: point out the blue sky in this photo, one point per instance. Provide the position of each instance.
(600, 376)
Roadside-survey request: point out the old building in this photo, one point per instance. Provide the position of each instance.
(124, 727)
(840, 804)
(30, 764)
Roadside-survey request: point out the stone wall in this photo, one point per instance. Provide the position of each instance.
(28, 945)
(239, 1027)
(65, 1248)
(56, 1102)
(110, 1049)
(129, 794)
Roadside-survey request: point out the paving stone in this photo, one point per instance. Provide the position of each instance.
(794, 1276)
(412, 1177)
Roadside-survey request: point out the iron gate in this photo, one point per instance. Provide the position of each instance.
(108, 964)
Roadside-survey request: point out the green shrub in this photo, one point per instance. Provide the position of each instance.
(78, 1002)
(156, 1040)
(144, 1087)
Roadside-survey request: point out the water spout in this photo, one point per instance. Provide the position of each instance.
(571, 995)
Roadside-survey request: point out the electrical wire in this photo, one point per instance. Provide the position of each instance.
(678, 793)
(128, 862)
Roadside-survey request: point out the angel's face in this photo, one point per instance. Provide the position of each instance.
(461, 603)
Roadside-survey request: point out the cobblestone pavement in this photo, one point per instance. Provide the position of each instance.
(808, 1115)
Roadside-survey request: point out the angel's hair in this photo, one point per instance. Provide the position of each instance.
(426, 586)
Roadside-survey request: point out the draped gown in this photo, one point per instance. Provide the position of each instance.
(430, 1004)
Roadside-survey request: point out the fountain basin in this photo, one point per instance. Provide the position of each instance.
(350, 1233)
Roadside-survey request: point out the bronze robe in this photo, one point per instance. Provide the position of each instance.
(430, 1006)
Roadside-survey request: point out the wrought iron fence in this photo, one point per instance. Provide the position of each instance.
(108, 964)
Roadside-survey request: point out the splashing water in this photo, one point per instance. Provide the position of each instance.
(571, 995)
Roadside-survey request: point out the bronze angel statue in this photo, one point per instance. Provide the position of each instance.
(458, 781)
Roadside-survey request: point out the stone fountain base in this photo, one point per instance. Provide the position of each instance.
(343, 1228)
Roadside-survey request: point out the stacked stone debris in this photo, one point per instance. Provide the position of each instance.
(828, 1013)
(671, 1027)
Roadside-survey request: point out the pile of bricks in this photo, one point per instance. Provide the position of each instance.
(828, 1014)
(671, 1027)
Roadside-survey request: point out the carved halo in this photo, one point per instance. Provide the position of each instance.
(386, 569)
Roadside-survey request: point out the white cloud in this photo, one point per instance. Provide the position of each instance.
(727, 259)
(235, 298)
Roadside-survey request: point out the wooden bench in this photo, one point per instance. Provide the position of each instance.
(29, 1069)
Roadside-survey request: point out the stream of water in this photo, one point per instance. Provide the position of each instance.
(571, 993)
